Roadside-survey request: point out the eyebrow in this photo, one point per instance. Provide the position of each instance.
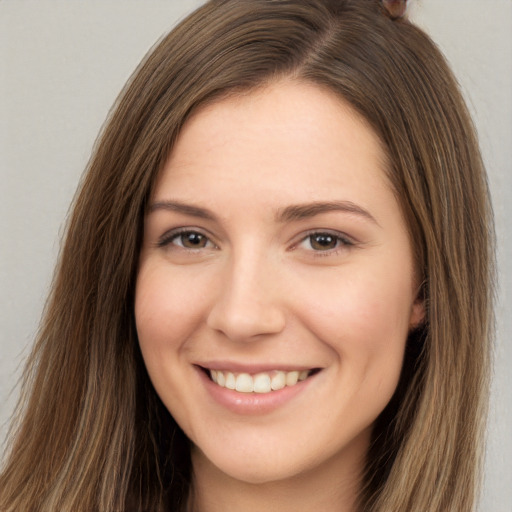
(308, 210)
(186, 209)
(288, 214)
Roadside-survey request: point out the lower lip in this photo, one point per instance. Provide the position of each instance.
(252, 403)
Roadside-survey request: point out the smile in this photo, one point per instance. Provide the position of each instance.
(263, 382)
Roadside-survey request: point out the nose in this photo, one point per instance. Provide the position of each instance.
(249, 303)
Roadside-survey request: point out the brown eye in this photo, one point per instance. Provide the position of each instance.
(323, 241)
(186, 239)
(192, 240)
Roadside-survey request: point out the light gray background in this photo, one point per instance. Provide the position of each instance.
(63, 64)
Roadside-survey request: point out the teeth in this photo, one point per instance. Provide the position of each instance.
(264, 382)
(244, 383)
(221, 379)
(292, 378)
(278, 381)
(230, 381)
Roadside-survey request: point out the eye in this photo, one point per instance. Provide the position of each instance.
(191, 240)
(186, 239)
(325, 241)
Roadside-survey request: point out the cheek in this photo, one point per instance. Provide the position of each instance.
(168, 312)
(360, 316)
(167, 307)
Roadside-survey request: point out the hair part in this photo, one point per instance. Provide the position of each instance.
(92, 433)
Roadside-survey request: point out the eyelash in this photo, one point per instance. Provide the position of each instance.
(341, 240)
(169, 238)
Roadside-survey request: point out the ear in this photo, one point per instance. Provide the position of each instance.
(417, 317)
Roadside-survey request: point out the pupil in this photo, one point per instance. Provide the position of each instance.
(193, 240)
(324, 241)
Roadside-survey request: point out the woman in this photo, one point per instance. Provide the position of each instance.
(302, 176)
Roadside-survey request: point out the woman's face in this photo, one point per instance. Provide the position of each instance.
(276, 261)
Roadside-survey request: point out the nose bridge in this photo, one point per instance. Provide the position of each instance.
(248, 303)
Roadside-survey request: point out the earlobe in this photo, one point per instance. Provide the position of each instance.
(417, 317)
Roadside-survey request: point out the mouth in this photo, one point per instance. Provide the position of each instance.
(262, 382)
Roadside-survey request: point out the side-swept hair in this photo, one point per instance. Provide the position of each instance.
(92, 434)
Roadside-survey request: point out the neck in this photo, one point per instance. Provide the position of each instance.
(333, 486)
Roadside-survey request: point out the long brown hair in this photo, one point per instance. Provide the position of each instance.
(92, 435)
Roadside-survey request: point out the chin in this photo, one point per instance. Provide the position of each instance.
(245, 467)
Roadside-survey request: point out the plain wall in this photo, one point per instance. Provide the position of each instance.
(63, 64)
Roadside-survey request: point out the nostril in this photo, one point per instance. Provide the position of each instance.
(240, 323)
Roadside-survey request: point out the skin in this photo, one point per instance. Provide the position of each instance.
(258, 288)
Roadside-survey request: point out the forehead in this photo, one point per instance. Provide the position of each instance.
(287, 139)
